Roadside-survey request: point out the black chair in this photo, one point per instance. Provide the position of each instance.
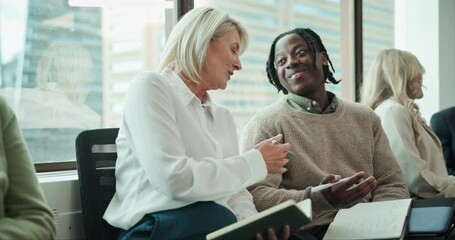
(96, 154)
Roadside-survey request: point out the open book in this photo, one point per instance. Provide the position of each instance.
(294, 214)
(373, 220)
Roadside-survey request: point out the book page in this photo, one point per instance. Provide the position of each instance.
(305, 207)
(374, 220)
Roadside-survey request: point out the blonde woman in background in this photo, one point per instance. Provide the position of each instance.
(393, 82)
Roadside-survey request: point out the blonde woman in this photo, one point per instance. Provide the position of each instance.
(178, 157)
(393, 82)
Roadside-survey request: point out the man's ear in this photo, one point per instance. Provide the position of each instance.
(324, 58)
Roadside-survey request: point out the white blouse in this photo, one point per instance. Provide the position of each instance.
(421, 161)
(174, 151)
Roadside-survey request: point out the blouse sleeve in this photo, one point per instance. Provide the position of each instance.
(180, 167)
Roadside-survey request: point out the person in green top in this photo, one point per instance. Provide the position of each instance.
(331, 138)
(24, 213)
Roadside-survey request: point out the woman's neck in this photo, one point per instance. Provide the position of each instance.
(199, 93)
(197, 89)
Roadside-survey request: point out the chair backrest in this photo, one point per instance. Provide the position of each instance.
(96, 154)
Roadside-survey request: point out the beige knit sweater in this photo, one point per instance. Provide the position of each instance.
(344, 142)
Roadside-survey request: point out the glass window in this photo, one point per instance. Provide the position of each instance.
(65, 68)
(378, 29)
(249, 90)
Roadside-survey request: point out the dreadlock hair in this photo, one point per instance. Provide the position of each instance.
(314, 43)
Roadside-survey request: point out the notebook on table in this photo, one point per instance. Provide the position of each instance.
(371, 220)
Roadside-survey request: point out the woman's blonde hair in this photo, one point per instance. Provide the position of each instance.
(186, 47)
(66, 66)
(389, 76)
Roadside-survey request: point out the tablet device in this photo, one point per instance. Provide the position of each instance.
(431, 217)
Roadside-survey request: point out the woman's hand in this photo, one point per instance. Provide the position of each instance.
(274, 153)
(348, 193)
(271, 235)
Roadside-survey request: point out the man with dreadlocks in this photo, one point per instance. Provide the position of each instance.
(331, 138)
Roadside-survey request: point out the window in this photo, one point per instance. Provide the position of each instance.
(66, 68)
(378, 29)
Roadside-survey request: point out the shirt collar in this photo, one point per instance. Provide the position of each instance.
(311, 106)
(182, 90)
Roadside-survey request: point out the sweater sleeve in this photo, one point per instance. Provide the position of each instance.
(24, 212)
(420, 180)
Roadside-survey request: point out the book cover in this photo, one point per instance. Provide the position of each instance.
(294, 214)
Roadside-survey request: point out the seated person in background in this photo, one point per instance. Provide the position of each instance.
(52, 114)
(443, 124)
(63, 78)
(24, 213)
(393, 82)
(178, 157)
(330, 138)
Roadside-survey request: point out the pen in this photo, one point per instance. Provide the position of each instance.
(327, 185)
